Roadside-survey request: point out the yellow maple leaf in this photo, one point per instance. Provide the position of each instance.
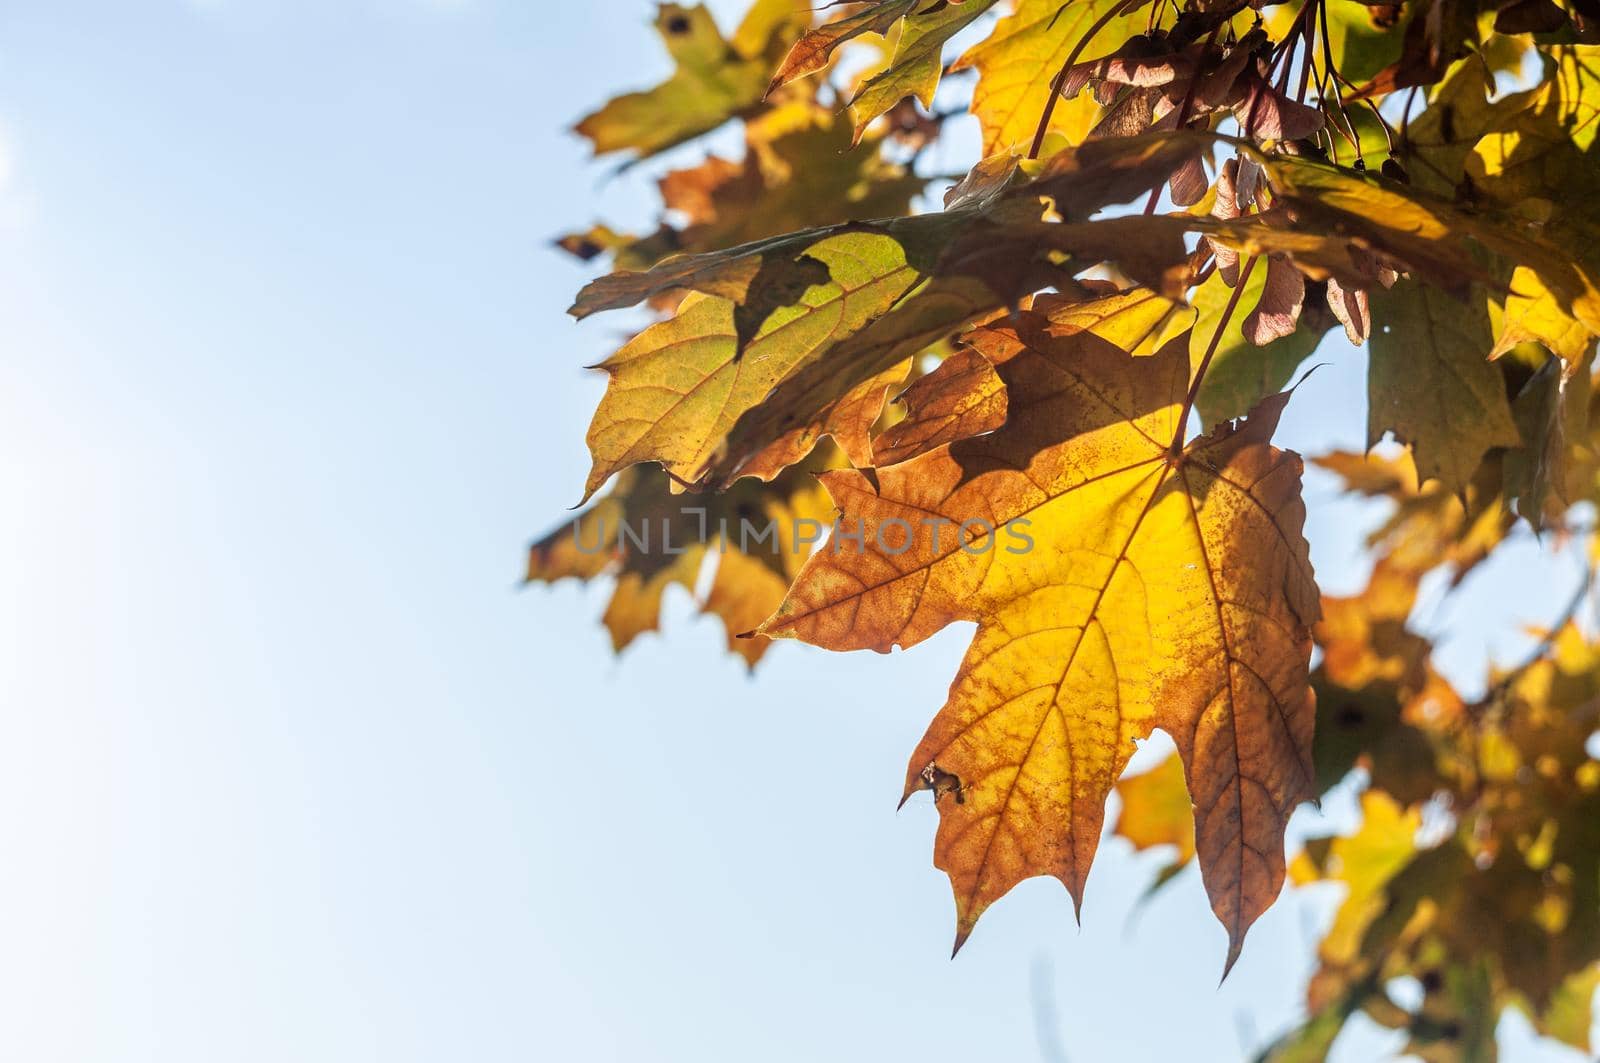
(1365, 862)
(680, 385)
(716, 79)
(1156, 810)
(1017, 62)
(1120, 583)
(915, 66)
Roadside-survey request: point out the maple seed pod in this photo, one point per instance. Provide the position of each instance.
(1394, 171)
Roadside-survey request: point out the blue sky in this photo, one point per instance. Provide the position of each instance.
(291, 770)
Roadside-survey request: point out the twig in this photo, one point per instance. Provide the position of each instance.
(1211, 349)
(1498, 691)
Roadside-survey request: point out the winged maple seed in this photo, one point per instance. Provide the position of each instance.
(1277, 314)
(1177, 81)
(1166, 587)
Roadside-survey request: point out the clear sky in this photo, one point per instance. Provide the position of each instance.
(289, 768)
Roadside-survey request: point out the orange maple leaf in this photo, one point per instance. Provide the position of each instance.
(1120, 582)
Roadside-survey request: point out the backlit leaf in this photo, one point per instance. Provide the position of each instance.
(814, 51)
(651, 539)
(1125, 613)
(1422, 174)
(715, 79)
(679, 386)
(1430, 382)
(1156, 811)
(1242, 373)
(961, 398)
(1018, 61)
(918, 60)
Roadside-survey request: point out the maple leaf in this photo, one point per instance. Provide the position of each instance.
(795, 174)
(1430, 526)
(1017, 63)
(1156, 811)
(961, 398)
(650, 539)
(1131, 611)
(1054, 349)
(913, 71)
(715, 80)
(1431, 383)
(814, 51)
(678, 387)
(789, 327)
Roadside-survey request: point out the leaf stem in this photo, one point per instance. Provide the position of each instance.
(1211, 350)
(1309, 35)
(1354, 136)
(1283, 51)
(1405, 116)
